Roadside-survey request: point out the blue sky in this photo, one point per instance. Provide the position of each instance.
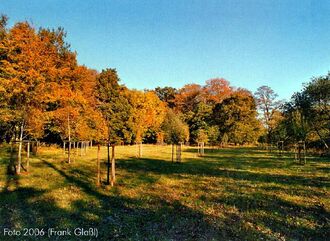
(281, 43)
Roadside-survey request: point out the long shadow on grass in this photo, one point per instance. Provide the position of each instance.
(201, 168)
(247, 158)
(282, 216)
(115, 216)
(12, 180)
(252, 153)
(28, 207)
(131, 218)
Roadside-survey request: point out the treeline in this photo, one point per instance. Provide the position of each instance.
(306, 117)
(46, 95)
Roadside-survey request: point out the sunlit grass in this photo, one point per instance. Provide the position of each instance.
(233, 194)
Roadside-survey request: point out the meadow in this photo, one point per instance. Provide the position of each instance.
(228, 194)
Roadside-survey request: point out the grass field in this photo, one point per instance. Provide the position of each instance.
(229, 194)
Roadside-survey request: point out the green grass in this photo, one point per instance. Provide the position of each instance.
(229, 194)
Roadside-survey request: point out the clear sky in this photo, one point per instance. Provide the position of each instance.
(280, 43)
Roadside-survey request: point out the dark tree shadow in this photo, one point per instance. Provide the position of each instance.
(278, 211)
(201, 168)
(125, 218)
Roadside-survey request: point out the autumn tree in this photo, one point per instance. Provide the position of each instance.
(5, 126)
(217, 89)
(71, 104)
(91, 124)
(188, 97)
(201, 136)
(148, 112)
(24, 76)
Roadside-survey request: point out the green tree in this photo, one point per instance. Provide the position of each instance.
(196, 103)
(114, 105)
(175, 130)
(199, 120)
(306, 115)
(213, 134)
(318, 92)
(166, 94)
(236, 117)
(296, 115)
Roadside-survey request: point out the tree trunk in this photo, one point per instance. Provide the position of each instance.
(37, 147)
(180, 152)
(113, 174)
(108, 165)
(98, 165)
(172, 152)
(140, 149)
(75, 147)
(203, 149)
(28, 157)
(177, 153)
(20, 149)
(69, 147)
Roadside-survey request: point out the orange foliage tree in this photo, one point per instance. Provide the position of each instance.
(41, 83)
(25, 73)
(147, 112)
